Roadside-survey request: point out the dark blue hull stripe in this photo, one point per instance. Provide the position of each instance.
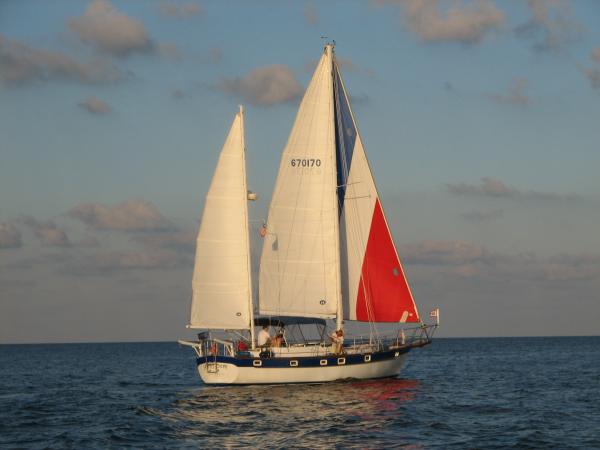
(310, 361)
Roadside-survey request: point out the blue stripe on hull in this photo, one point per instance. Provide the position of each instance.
(310, 361)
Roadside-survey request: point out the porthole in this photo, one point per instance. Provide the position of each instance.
(323, 362)
(367, 358)
(257, 363)
(341, 361)
(293, 363)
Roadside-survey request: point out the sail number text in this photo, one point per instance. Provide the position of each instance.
(305, 162)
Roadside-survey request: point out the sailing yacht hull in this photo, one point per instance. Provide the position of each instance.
(229, 370)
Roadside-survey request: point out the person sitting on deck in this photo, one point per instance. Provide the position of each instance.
(277, 341)
(264, 337)
(337, 341)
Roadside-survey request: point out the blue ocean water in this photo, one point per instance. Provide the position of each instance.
(456, 393)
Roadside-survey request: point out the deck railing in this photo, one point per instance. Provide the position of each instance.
(407, 337)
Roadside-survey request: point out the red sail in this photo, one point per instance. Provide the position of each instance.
(383, 293)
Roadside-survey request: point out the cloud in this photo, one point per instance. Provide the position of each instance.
(110, 31)
(594, 76)
(132, 215)
(47, 232)
(491, 187)
(595, 55)
(431, 252)
(468, 260)
(310, 14)
(265, 86)
(179, 11)
(566, 267)
(95, 106)
(10, 236)
(177, 94)
(552, 25)
(169, 51)
(466, 23)
(22, 64)
(145, 260)
(481, 216)
(181, 241)
(516, 95)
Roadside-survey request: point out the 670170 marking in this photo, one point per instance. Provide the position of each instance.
(305, 162)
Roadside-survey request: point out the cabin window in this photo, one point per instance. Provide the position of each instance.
(323, 362)
(367, 358)
(257, 363)
(293, 363)
(396, 354)
(341, 361)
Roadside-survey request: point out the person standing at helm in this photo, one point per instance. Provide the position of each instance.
(264, 337)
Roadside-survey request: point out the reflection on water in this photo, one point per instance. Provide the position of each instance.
(312, 415)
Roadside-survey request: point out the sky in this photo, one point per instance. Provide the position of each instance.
(480, 119)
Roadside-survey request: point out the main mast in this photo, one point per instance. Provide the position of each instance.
(340, 306)
(247, 222)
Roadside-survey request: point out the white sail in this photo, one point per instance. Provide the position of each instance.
(221, 284)
(299, 266)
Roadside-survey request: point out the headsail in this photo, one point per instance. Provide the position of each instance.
(221, 284)
(299, 266)
(373, 282)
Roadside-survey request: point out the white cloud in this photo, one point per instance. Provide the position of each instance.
(95, 106)
(516, 95)
(132, 215)
(492, 187)
(552, 25)
(482, 216)
(467, 23)
(265, 86)
(10, 236)
(47, 232)
(22, 64)
(110, 31)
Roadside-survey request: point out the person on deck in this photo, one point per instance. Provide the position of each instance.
(277, 341)
(264, 337)
(337, 341)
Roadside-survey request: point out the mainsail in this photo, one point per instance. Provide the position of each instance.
(299, 266)
(221, 284)
(328, 250)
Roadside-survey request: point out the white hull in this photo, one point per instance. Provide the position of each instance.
(225, 373)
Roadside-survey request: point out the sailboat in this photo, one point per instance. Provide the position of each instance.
(328, 257)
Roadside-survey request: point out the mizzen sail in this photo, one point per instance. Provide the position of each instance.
(299, 266)
(221, 283)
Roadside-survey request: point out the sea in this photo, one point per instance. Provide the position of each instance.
(492, 393)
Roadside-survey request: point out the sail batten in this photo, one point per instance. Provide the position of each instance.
(221, 282)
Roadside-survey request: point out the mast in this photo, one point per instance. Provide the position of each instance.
(339, 318)
(246, 223)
